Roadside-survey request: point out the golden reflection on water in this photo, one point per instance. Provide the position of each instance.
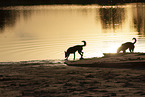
(45, 32)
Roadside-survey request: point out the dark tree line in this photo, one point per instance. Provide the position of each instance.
(37, 2)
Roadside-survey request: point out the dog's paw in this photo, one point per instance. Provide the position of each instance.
(81, 58)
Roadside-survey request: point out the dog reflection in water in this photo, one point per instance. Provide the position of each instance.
(127, 45)
(75, 48)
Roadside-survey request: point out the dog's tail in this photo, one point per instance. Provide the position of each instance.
(134, 40)
(84, 43)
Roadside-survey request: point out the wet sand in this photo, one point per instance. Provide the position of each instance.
(34, 80)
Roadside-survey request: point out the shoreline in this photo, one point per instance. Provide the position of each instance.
(113, 60)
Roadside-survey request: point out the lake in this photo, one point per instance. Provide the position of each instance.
(44, 32)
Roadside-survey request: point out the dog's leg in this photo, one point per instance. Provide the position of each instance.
(130, 50)
(81, 53)
(74, 55)
(67, 57)
(124, 51)
(133, 49)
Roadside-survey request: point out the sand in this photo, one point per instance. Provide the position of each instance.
(44, 80)
(67, 81)
(112, 60)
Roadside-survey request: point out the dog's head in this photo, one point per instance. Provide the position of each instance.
(119, 49)
(66, 54)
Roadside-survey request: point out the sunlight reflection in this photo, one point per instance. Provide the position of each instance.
(113, 48)
(45, 32)
(93, 54)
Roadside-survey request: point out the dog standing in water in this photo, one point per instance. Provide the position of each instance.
(127, 45)
(75, 48)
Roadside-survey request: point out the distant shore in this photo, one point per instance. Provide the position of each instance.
(50, 2)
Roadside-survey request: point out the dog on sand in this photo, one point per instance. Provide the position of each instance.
(127, 45)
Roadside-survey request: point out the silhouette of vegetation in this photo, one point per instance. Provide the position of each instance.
(38, 2)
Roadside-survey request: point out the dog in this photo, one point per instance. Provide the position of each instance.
(73, 49)
(127, 45)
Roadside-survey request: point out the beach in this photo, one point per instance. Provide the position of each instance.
(60, 80)
(36, 34)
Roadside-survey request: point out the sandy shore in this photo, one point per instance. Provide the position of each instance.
(112, 60)
(31, 80)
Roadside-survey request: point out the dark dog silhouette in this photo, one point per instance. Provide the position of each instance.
(127, 45)
(73, 49)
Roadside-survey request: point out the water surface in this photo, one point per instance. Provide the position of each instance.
(45, 32)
